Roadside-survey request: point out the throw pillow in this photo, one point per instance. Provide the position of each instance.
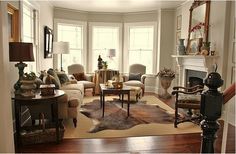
(135, 76)
(38, 82)
(63, 77)
(79, 76)
(49, 79)
(54, 74)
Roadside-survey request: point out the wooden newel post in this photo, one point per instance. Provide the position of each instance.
(211, 104)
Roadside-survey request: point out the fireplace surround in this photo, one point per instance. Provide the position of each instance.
(194, 65)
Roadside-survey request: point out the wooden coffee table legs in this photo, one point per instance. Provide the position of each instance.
(102, 102)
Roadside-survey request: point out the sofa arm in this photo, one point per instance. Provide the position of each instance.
(63, 107)
(73, 103)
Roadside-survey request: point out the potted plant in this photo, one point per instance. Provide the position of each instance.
(28, 84)
(166, 76)
(105, 65)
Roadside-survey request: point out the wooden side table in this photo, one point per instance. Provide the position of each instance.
(122, 91)
(52, 101)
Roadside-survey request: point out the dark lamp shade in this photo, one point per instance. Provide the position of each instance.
(20, 51)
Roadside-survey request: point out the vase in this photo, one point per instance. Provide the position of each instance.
(181, 47)
(165, 83)
(27, 87)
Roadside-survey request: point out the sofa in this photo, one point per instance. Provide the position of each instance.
(69, 104)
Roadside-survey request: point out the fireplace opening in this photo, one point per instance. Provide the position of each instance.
(194, 78)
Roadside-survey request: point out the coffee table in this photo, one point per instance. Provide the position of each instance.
(121, 92)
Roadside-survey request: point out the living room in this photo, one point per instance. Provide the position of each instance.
(163, 24)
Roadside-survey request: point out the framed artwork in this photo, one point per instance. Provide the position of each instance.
(179, 21)
(194, 46)
(13, 23)
(48, 39)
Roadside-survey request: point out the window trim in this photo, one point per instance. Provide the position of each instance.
(126, 44)
(84, 53)
(36, 11)
(105, 24)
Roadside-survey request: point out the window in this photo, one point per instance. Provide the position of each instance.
(73, 34)
(105, 36)
(140, 46)
(29, 34)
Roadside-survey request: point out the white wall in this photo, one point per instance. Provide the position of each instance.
(6, 124)
(46, 19)
(166, 41)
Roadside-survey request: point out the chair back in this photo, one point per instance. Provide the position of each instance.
(75, 68)
(137, 68)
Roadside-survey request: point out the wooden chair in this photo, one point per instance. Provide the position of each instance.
(187, 98)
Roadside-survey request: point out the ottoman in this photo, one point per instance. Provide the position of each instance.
(135, 93)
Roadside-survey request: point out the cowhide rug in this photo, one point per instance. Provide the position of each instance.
(116, 117)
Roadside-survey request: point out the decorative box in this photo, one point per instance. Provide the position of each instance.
(117, 85)
(47, 89)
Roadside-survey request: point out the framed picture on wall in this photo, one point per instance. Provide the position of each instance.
(179, 21)
(48, 39)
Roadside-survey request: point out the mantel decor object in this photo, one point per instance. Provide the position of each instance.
(181, 47)
(166, 76)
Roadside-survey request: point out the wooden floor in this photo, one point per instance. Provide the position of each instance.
(186, 143)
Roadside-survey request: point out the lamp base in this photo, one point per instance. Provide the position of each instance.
(17, 85)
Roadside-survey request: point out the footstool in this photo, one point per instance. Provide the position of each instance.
(135, 93)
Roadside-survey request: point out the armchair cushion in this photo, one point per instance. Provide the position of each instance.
(79, 76)
(184, 97)
(134, 83)
(135, 76)
(87, 84)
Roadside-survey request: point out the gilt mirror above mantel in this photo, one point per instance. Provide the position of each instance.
(198, 22)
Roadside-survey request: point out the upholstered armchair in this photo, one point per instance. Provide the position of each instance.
(136, 76)
(77, 70)
(187, 98)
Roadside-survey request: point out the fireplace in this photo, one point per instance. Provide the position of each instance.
(196, 66)
(194, 77)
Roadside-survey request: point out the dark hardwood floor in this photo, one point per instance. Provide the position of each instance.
(182, 143)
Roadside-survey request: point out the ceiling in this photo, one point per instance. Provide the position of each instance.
(117, 5)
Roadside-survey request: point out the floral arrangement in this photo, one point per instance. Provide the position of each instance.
(198, 27)
(29, 76)
(166, 73)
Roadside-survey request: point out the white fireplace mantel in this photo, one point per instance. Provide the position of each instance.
(194, 62)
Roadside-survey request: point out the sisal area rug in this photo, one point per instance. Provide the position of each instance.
(148, 117)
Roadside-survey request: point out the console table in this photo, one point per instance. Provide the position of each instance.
(51, 101)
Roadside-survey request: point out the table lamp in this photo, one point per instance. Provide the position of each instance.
(111, 53)
(61, 48)
(20, 52)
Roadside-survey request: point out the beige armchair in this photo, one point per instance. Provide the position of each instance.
(87, 81)
(136, 76)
